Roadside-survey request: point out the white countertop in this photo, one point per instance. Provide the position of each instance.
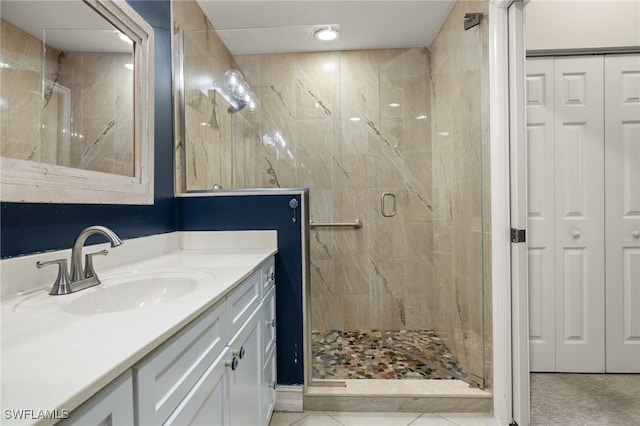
(52, 359)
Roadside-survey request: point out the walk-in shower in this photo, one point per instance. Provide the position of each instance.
(391, 144)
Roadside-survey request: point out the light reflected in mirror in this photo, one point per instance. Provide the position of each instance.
(79, 112)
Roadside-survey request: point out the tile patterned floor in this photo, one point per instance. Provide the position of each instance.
(376, 354)
(341, 418)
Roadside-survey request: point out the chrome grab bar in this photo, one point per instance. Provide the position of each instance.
(357, 224)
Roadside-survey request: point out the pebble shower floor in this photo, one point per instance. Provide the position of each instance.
(377, 354)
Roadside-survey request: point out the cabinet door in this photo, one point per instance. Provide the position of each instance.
(113, 405)
(245, 380)
(268, 324)
(622, 156)
(269, 377)
(207, 404)
(269, 382)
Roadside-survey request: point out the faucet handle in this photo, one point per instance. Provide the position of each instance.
(62, 282)
(89, 272)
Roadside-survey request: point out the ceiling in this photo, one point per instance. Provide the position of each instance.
(264, 26)
(71, 25)
(258, 26)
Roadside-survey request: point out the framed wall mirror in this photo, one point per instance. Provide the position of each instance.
(77, 103)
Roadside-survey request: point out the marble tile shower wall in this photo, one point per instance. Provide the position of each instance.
(326, 122)
(96, 117)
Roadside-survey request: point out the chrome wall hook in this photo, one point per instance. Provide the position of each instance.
(294, 205)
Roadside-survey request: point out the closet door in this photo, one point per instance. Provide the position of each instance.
(622, 123)
(579, 208)
(541, 214)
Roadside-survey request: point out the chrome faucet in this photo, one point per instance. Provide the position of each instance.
(77, 272)
(80, 277)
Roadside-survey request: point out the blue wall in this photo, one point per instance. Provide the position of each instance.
(32, 227)
(263, 212)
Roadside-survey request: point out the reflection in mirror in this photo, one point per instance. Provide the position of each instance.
(76, 97)
(86, 107)
(87, 111)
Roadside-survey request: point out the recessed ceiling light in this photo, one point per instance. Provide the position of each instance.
(326, 34)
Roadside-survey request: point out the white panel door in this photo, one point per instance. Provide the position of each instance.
(541, 213)
(622, 156)
(579, 205)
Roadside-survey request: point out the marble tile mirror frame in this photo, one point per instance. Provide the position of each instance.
(28, 181)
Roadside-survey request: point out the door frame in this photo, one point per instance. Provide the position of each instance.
(510, 359)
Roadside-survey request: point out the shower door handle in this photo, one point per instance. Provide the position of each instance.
(383, 204)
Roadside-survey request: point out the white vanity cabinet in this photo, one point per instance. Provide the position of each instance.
(112, 405)
(212, 371)
(165, 377)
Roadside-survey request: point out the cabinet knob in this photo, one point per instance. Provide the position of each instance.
(576, 235)
(238, 352)
(233, 363)
(636, 234)
(271, 323)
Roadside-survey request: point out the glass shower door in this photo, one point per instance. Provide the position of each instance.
(403, 296)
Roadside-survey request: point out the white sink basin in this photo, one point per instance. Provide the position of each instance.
(123, 293)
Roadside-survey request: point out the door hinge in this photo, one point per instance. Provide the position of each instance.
(518, 235)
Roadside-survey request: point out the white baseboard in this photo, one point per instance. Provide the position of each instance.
(289, 398)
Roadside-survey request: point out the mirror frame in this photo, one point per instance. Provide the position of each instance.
(32, 182)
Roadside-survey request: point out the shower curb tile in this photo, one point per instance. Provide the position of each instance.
(398, 404)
